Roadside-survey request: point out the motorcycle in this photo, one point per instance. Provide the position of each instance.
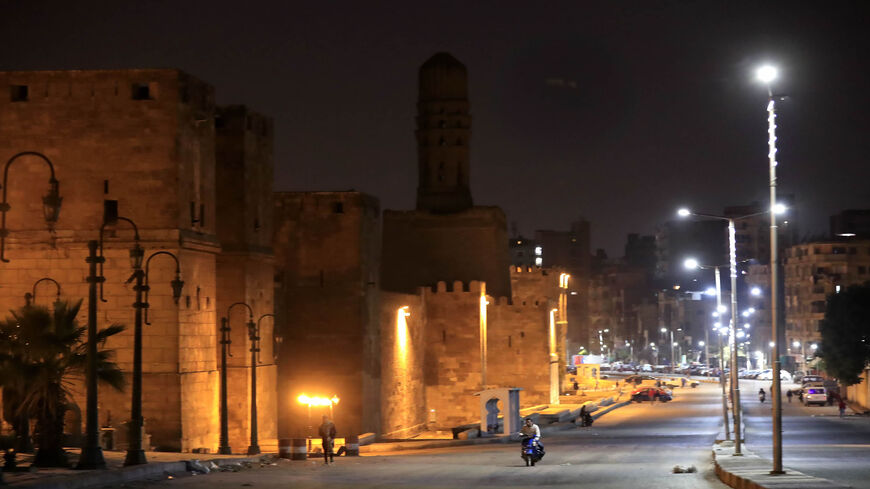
(531, 451)
(761, 397)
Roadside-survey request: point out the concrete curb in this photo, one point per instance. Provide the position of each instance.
(610, 408)
(116, 477)
(749, 471)
(415, 445)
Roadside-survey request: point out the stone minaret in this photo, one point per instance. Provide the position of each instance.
(443, 133)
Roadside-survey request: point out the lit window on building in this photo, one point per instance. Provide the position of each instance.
(539, 261)
(538, 251)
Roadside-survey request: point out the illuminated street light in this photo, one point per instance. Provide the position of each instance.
(755, 291)
(746, 325)
(684, 212)
(771, 344)
(691, 263)
(701, 343)
(766, 74)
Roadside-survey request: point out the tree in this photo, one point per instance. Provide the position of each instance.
(39, 353)
(845, 332)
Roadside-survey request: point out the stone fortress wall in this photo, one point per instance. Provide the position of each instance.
(145, 138)
(444, 359)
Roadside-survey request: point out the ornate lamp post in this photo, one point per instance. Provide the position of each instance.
(92, 453)
(135, 453)
(254, 336)
(30, 297)
(50, 202)
(224, 447)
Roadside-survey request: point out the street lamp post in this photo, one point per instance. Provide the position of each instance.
(224, 447)
(135, 453)
(668, 330)
(732, 255)
(51, 202)
(92, 453)
(30, 297)
(254, 336)
(766, 74)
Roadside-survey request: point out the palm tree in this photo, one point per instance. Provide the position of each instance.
(39, 353)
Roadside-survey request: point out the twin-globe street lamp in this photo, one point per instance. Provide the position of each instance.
(254, 337)
(135, 453)
(732, 248)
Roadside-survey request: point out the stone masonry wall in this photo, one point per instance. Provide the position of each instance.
(452, 372)
(421, 249)
(403, 348)
(145, 138)
(327, 256)
(517, 351)
(245, 267)
(518, 338)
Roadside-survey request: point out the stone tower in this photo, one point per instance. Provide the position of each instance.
(443, 133)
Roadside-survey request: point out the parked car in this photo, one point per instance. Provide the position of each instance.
(815, 395)
(651, 394)
(638, 379)
(768, 375)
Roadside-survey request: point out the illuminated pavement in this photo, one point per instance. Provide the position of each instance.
(634, 446)
(815, 440)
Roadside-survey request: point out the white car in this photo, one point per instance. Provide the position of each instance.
(768, 375)
(815, 395)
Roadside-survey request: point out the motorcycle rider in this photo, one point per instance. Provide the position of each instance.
(530, 429)
(761, 395)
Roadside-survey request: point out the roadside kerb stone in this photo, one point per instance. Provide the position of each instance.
(115, 477)
(749, 471)
(419, 445)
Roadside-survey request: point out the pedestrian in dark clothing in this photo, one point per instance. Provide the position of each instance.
(789, 394)
(842, 407)
(327, 437)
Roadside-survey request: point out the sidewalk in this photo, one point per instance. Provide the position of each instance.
(161, 465)
(749, 471)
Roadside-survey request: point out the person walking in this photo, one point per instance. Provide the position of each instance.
(789, 395)
(327, 437)
(842, 406)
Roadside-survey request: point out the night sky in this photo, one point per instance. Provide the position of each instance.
(615, 111)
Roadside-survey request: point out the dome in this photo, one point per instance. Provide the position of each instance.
(443, 77)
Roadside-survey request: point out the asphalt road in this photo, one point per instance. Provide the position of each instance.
(815, 440)
(633, 446)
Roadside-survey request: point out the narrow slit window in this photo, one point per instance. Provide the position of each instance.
(18, 93)
(141, 91)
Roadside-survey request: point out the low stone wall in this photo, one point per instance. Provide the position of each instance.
(860, 393)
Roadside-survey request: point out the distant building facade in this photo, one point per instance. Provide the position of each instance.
(813, 272)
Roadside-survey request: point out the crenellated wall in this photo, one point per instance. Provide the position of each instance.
(443, 345)
(518, 341)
